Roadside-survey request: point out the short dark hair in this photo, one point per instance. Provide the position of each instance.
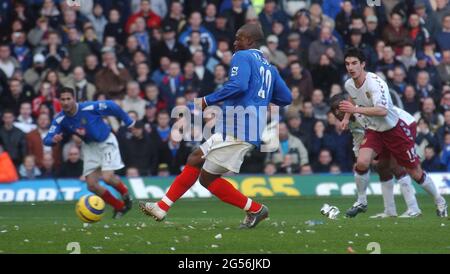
(67, 90)
(357, 53)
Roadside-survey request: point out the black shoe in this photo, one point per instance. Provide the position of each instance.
(355, 209)
(128, 201)
(127, 207)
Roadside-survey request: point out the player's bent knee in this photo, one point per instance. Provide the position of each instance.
(362, 167)
(195, 158)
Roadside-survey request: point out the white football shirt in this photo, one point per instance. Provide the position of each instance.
(374, 92)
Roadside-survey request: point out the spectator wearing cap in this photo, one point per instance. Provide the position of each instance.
(291, 155)
(112, 77)
(269, 14)
(13, 139)
(276, 56)
(170, 47)
(326, 44)
(139, 150)
(133, 101)
(372, 33)
(416, 32)
(444, 68)
(443, 36)
(395, 34)
(427, 16)
(151, 19)
(195, 24)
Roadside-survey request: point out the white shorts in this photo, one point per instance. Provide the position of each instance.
(224, 155)
(104, 155)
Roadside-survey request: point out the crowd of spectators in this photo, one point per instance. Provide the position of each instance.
(152, 55)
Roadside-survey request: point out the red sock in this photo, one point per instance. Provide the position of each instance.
(227, 193)
(110, 199)
(180, 185)
(122, 188)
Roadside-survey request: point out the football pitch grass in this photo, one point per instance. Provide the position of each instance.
(209, 226)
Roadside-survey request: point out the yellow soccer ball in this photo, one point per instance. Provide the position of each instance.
(90, 208)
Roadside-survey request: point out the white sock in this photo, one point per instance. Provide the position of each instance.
(362, 181)
(409, 193)
(387, 189)
(429, 187)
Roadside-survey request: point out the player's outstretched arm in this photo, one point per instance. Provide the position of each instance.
(281, 95)
(238, 80)
(110, 108)
(54, 134)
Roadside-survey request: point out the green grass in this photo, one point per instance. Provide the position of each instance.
(192, 226)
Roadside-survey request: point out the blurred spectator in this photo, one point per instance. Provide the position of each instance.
(297, 100)
(308, 119)
(269, 169)
(73, 167)
(427, 16)
(161, 71)
(344, 17)
(291, 154)
(210, 16)
(93, 42)
(444, 129)
(300, 77)
(335, 169)
(77, 50)
(52, 77)
(443, 36)
(28, 170)
(34, 74)
(442, 9)
(294, 122)
(395, 34)
(48, 169)
(276, 56)
(112, 77)
(142, 35)
(444, 68)
(324, 162)
(132, 100)
(388, 63)
(15, 96)
(356, 41)
(9, 173)
(98, 20)
(407, 57)
(431, 161)
(445, 101)
(151, 19)
(429, 114)
(373, 32)
(25, 121)
(204, 76)
(163, 170)
(445, 156)
(326, 44)
(269, 15)
(35, 145)
(398, 81)
(417, 33)
(46, 97)
(132, 172)
(425, 137)
(172, 85)
(54, 52)
(114, 26)
(39, 35)
(195, 24)
(170, 47)
(175, 18)
(20, 50)
(319, 105)
(174, 154)
(12, 138)
(236, 15)
(320, 139)
(84, 91)
(8, 64)
(302, 25)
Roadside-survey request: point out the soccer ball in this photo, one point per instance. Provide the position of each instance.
(90, 208)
